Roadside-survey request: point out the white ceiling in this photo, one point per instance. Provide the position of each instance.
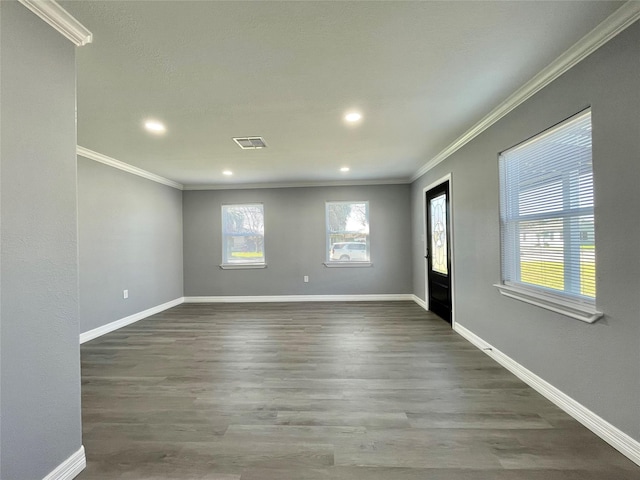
(421, 73)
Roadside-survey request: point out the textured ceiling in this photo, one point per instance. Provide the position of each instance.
(421, 73)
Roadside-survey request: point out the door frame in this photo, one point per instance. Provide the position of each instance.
(446, 178)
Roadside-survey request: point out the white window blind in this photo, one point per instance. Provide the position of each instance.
(546, 213)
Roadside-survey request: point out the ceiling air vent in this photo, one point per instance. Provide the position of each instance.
(250, 143)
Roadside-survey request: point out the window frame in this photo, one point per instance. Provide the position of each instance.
(569, 301)
(240, 265)
(329, 262)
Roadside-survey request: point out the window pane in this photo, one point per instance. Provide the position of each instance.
(347, 231)
(542, 253)
(546, 211)
(243, 234)
(438, 207)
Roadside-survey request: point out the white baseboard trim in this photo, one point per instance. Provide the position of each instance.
(420, 302)
(609, 433)
(123, 322)
(300, 298)
(70, 468)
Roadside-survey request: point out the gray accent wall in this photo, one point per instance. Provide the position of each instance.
(598, 364)
(295, 243)
(40, 355)
(130, 238)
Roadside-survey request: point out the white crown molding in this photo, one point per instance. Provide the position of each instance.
(336, 183)
(609, 433)
(301, 298)
(70, 468)
(112, 162)
(123, 322)
(618, 21)
(56, 16)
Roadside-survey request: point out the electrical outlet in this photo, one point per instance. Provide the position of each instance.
(125, 294)
(306, 279)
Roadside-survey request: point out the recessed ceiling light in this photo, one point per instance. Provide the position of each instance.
(154, 126)
(227, 172)
(353, 117)
(344, 169)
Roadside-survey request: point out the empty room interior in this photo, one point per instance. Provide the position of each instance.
(312, 240)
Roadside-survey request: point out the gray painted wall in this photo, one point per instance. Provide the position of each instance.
(40, 377)
(595, 364)
(295, 243)
(130, 238)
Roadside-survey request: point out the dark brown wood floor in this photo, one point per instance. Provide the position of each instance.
(377, 391)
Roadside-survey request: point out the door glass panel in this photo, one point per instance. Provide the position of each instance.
(438, 210)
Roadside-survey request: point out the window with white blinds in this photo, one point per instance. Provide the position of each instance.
(546, 213)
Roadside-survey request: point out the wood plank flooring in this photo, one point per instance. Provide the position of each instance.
(319, 391)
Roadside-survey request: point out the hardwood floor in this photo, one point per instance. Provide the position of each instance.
(310, 391)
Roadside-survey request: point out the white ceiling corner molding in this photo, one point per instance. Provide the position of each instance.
(112, 162)
(56, 16)
(329, 183)
(614, 24)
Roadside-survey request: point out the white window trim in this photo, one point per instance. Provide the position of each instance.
(242, 266)
(579, 311)
(339, 264)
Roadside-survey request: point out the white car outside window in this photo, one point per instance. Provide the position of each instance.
(349, 252)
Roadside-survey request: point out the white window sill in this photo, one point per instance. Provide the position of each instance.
(242, 266)
(347, 264)
(584, 313)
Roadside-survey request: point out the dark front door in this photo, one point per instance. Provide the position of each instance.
(438, 252)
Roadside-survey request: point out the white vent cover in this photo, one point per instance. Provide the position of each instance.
(250, 143)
